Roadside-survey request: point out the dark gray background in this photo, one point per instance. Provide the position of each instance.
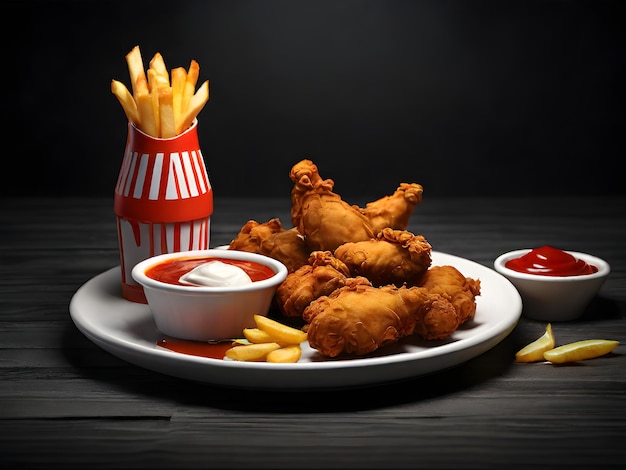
(490, 98)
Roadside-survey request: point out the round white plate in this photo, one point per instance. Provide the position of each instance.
(127, 330)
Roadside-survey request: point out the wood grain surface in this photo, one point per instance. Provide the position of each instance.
(66, 403)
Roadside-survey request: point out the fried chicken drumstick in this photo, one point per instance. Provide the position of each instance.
(359, 318)
(394, 257)
(322, 275)
(394, 211)
(320, 215)
(271, 239)
(357, 277)
(449, 282)
(327, 221)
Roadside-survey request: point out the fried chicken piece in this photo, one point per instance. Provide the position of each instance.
(393, 257)
(321, 276)
(394, 211)
(271, 239)
(450, 283)
(320, 215)
(359, 318)
(436, 317)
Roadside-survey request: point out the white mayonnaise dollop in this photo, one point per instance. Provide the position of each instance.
(216, 274)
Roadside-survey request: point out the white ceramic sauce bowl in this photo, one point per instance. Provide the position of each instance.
(554, 298)
(203, 313)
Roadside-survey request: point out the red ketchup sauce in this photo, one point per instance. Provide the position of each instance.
(211, 350)
(549, 261)
(170, 271)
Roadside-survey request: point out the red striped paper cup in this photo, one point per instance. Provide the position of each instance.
(163, 201)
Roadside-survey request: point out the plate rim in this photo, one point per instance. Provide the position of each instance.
(309, 375)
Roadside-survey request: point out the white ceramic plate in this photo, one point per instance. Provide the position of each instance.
(127, 330)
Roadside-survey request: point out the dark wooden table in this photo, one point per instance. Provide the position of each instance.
(66, 403)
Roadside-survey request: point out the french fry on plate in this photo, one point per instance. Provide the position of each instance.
(270, 341)
(251, 352)
(280, 332)
(256, 335)
(287, 354)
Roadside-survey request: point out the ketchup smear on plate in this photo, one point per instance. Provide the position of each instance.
(215, 350)
(549, 261)
(170, 271)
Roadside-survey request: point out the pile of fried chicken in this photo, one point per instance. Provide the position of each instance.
(357, 277)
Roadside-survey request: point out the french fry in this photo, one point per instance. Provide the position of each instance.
(159, 105)
(190, 84)
(136, 71)
(179, 78)
(274, 333)
(156, 112)
(287, 354)
(533, 352)
(280, 332)
(580, 350)
(195, 106)
(126, 100)
(156, 81)
(251, 352)
(146, 114)
(157, 64)
(256, 335)
(166, 112)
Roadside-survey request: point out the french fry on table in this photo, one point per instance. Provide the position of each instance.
(580, 350)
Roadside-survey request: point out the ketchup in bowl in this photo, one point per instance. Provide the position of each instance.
(549, 261)
(171, 271)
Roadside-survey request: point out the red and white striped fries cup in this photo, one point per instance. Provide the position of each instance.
(163, 200)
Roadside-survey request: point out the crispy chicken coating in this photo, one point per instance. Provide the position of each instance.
(322, 275)
(448, 281)
(394, 211)
(357, 277)
(327, 221)
(359, 318)
(320, 215)
(271, 239)
(394, 257)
